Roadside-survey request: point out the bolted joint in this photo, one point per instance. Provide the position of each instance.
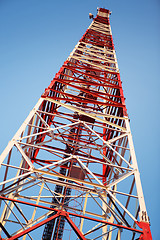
(146, 235)
(143, 216)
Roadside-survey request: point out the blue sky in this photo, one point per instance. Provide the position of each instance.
(36, 38)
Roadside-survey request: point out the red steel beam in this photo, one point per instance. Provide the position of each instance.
(77, 215)
(34, 227)
(75, 228)
(146, 231)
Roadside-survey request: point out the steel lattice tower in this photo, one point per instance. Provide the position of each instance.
(70, 171)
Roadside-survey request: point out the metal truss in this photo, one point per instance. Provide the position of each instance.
(72, 162)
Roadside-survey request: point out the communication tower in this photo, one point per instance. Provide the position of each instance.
(70, 171)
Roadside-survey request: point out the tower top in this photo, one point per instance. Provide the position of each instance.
(102, 12)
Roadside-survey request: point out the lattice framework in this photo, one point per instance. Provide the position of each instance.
(72, 163)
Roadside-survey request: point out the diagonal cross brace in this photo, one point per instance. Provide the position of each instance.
(58, 214)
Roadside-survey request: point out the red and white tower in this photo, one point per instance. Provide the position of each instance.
(70, 171)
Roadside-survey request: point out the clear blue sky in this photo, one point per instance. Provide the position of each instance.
(36, 37)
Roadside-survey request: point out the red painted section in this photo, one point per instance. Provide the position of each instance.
(75, 228)
(59, 213)
(146, 231)
(63, 213)
(33, 227)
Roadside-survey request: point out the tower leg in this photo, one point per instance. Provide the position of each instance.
(146, 231)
